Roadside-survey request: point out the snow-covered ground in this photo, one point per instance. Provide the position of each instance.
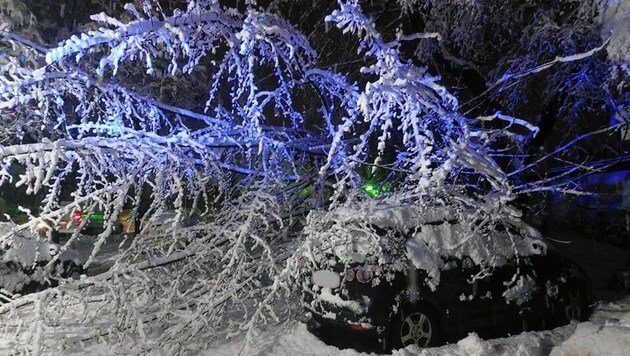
(606, 333)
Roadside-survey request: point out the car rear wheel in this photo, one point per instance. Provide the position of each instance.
(532, 318)
(572, 306)
(414, 325)
(574, 309)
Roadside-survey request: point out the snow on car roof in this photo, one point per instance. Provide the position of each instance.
(432, 232)
(403, 216)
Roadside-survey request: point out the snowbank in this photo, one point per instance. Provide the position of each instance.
(607, 333)
(526, 344)
(596, 339)
(291, 340)
(296, 340)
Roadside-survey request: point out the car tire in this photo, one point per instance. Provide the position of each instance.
(414, 325)
(532, 319)
(572, 307)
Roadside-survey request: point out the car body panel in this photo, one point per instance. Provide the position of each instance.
(462, 303)
(95, 224)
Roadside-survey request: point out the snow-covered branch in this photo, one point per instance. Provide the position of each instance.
(228, 116)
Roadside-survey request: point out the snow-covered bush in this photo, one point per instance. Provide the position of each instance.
(225, 112)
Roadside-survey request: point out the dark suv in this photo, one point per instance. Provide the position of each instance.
(374, 301)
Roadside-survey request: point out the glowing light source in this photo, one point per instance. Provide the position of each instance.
(375, 189)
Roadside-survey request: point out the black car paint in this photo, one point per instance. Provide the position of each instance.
(461, 304)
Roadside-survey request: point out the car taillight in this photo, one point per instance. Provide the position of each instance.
(358, 327)
(76, 217)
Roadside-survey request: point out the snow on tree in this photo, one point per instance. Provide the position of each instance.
(228, 112)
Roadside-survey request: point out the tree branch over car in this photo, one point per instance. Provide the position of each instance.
(232, 113)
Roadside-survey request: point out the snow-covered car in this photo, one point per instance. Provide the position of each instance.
(94, 225)
(395, 297)
(24, 265)
(165, 222)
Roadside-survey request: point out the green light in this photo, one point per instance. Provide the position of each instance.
(94, 217)
(371, 190)
(376, 189)
(306, 191)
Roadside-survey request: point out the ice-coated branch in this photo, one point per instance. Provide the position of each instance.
(560, 59)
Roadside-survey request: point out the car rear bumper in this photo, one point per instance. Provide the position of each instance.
(344, 335)
(331, 307)
(357, 323)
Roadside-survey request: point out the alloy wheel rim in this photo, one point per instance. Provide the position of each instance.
(416, 329)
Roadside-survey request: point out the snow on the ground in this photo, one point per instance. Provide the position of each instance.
(607, 333)
(289, 340)
(525, 344)
(297, 340)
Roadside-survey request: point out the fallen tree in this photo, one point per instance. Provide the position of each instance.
(267, 134)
